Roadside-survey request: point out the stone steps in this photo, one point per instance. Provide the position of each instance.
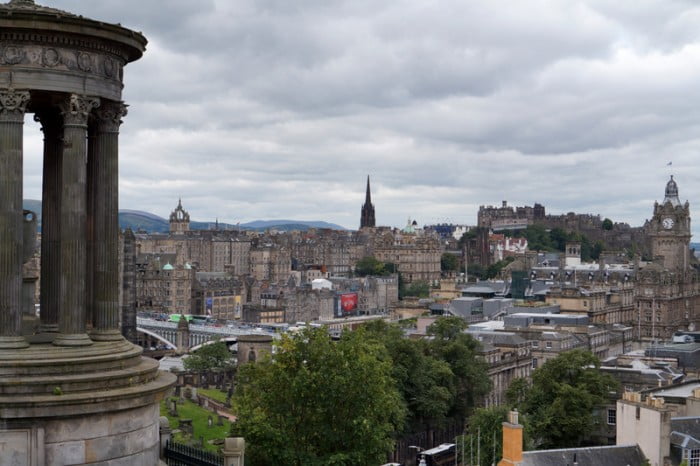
(144, 371)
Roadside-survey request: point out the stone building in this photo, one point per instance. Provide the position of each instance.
(271, 262)
(508, 356)
(217, 294)
(74, 391)
(612, 304)
(415, 254)
(667, 291)
(179, 220)
(163, 284)
(507, 217)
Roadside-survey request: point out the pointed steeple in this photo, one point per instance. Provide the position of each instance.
(368, 196)
(367, 214)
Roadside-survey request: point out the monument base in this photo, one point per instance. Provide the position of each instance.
(72, 405)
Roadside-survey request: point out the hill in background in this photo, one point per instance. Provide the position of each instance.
(146, 221)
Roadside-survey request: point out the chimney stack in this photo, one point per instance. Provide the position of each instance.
(512, 441)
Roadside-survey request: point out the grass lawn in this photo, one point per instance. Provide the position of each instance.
(199, 416)
(213, 393)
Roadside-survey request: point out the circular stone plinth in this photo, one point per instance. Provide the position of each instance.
(47, 381)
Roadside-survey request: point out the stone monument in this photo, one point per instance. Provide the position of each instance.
(74, 391)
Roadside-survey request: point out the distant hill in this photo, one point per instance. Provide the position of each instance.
(146, 221)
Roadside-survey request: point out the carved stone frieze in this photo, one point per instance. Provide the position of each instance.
(103, 65)
(13, 104)
(109, 116)
(76, 109)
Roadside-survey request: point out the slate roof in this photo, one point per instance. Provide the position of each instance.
(685, 432)
(614, 455)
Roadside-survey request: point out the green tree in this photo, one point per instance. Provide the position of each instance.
(538, 239)
(369, 265)
(559, 237)
(425, 383)
(210, 356)
(485, 429)
(561, 403)
(420, 289)
(460, 351)
(440, 379)
(449, 262)
(319, 402)
(607, 224)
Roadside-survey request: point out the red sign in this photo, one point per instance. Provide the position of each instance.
(348, 302)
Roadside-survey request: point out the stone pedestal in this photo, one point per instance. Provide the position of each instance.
(234, 451)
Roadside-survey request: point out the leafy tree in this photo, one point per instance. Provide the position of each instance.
(319, 402)
(560, 405)
(369, 266)
(440, 379)
(485, 426)
(460, 351)
(516, 391)
(607, 224)
(210, 356)
(449, 262)
(538, 239)
(559, 238)
(420, 289)
(597, 250)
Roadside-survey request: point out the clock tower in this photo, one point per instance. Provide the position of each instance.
(670, 230)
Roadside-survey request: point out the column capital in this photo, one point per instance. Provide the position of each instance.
(109, 116)
(13, 104)
(76, 109)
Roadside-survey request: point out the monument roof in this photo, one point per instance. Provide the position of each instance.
(26, 14)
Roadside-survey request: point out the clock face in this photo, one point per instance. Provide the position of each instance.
(667, 223)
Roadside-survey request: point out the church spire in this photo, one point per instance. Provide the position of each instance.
(367, 214)
(368, 196)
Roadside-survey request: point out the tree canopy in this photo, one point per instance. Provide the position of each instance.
(440, 379)
(319, 402)
(560, 406)
(210, 356)
(369, 265)
(449, 262)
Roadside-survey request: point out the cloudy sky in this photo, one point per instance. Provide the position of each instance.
(261, 109)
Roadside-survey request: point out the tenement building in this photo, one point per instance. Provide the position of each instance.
(72, 389)
(667, 291)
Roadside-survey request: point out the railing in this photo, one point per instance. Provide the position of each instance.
(177, 454)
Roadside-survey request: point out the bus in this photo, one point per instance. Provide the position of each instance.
(176, 318)
(441, 455)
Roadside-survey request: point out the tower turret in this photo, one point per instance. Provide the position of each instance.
(367, 219)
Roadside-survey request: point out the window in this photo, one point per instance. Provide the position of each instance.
(549, 345)
(694, 458)
(612, 416)
(534, 363)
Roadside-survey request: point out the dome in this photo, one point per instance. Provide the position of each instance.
(671, 194)
(188, 266)
(168, 266)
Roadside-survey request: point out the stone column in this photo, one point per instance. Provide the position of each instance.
(72, 320)
(104, 217)
(12, 106)
(49, 296)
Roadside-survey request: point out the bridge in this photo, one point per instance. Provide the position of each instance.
(162, 335)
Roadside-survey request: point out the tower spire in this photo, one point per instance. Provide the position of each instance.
(368, 196)
(367, 214)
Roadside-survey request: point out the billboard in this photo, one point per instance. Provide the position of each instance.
(347, 304)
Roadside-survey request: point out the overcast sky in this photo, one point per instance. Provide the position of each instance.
(263, 109)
